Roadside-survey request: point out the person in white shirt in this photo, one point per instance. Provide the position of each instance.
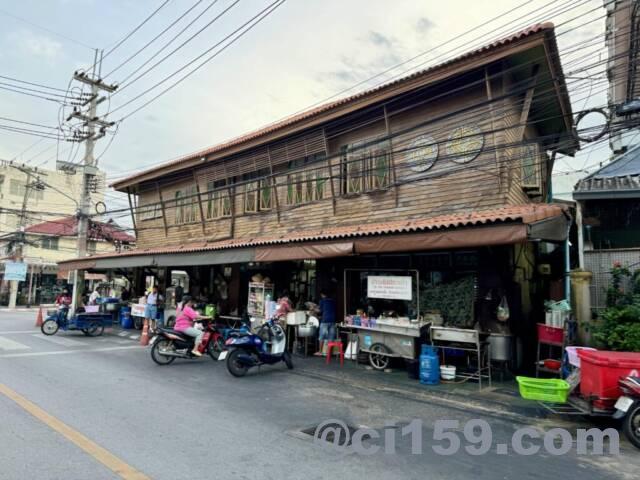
(93, 298)
(151, 309)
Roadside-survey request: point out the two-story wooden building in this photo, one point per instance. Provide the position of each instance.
(445, 172)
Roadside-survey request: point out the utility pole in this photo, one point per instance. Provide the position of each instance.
(19, 252)
(89, 164)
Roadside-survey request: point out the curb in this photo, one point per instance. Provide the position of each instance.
(484, 406)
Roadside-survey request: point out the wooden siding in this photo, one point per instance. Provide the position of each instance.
(490, 180)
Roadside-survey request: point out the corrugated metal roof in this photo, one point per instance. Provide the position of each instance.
(528, 213)
(68, 227)
(620, 175)
(343, 101)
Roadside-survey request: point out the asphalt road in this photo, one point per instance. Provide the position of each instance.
(126, 417)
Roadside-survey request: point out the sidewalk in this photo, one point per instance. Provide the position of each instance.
(501, 399)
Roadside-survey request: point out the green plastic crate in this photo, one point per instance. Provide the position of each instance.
(543, 389)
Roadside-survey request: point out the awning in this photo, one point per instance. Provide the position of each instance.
(498, 226)
(304, 251)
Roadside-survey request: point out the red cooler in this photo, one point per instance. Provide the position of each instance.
(600, 371)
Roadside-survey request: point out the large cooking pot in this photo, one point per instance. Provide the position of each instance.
(306, 331)
(501, 347)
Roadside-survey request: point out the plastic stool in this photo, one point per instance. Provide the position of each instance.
(338, 344)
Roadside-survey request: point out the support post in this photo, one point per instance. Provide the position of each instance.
(391, 158)
(275, 188)
(330, 165)
(133, 215)
(164, 213)
(195, 179)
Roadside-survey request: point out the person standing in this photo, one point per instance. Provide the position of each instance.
(327, 307)
(151, 309)
(179, 293)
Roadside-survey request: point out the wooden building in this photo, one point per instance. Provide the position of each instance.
(455, 159)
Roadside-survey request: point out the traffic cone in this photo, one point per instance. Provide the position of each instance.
(39, 319)
(144, 338)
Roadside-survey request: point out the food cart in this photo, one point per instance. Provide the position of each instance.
(384, 334)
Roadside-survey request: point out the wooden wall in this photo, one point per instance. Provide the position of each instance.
(490, 180)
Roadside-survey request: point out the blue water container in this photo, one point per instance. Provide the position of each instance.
(429, 366)
(125, 317)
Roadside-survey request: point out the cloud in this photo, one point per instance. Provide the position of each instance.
(379, 40)
(36, 45)
(423, 25)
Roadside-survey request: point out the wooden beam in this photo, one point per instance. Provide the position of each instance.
(195, 179)
(487, 81)
(330, 165)
(133, 215)
(275, 188)
(164, 212)
(526, 106)
(232, 200)
(391, 159)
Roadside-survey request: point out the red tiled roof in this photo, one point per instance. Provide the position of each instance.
(528, 213)
(68, 227)
(298, 117)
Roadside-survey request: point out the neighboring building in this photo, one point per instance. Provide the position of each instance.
(609, 202)
(623, 71)
(444, 173)
(52, 198)
(47, 243)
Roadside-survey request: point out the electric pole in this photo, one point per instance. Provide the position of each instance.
(18, 250)
(89, 164)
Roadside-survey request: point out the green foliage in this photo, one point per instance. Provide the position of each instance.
(619, 326)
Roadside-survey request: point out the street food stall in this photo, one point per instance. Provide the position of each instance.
(382, 314)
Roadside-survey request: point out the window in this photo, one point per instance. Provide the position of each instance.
(179, 206)
(218, 200)
(186, 204)
(365, 166)
(306, 185)
(530, 166)
(50, 243)
(258, 195)
(17, 188)
(151, 211)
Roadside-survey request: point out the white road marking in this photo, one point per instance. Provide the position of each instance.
(13, 332)
(65, 352)
(65, 342)
(6, 344)
(123, 334)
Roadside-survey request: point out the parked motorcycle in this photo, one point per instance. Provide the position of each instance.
(628, 408)
(267, 347)
(169, 344)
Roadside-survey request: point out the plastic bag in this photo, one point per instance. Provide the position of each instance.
(503, 310)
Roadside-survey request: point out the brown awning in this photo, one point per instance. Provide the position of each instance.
(304, 251)
(462, 238)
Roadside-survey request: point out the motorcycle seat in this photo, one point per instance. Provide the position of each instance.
(176, 332)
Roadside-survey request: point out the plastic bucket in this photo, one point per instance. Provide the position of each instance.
(448, 372)
(572, 353)
(125, 317)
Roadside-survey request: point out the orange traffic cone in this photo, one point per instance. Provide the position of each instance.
(39, 319)
(144, 338)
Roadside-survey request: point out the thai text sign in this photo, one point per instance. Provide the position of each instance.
(15, 271)
(389, 287)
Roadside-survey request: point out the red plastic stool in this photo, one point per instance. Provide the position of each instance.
(338, 344)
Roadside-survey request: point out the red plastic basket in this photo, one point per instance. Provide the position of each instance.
(600, 371)
(547, 334)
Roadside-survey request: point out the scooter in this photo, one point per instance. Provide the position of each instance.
(170, 344)
(267, 347)
(628, 408)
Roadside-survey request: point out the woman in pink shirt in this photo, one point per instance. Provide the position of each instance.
(184, 323)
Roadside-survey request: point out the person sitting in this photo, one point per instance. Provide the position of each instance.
(63, 299)
(184, 323)
(93, 298)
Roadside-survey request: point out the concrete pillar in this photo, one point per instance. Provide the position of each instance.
(581, 303)
(13, 293)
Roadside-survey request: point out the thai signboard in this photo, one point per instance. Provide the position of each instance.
(389, 287)
(15, 271)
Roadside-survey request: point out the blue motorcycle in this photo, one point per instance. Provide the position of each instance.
(266, 347)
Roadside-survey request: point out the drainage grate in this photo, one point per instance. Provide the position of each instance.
(329, 430)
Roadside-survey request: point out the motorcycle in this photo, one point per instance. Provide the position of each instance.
(628, 408)
(169, 344)
(267, 347)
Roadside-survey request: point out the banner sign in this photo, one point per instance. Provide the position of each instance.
(137, 310)
(390, 288)
(15, 271)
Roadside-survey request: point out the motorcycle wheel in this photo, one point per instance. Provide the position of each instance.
(236, 368)
(49, 327)
(138, 322)
(286, 356)
(171, 321)
(95, 330)
(158, 357)
(631, 425)
(215, 347)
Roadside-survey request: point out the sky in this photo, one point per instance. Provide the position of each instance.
(302, 54)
